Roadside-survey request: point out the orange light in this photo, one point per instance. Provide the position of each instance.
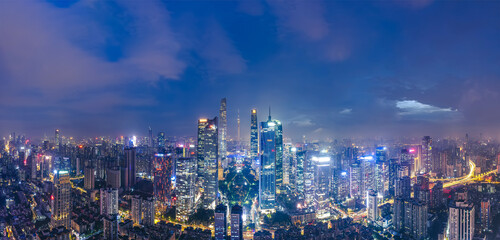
(81, 146)
(203, 120)
(52, 197)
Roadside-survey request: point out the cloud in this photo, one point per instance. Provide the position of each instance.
(305, 18)
(412, 109)
(219, 53)
(346, 111)
(302, 121)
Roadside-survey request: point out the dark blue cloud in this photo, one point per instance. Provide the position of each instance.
(327, 68)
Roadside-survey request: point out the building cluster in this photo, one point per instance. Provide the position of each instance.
(164, 187)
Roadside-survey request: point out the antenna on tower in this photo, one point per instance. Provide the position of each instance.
(269, 113)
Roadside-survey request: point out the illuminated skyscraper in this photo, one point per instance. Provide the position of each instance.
(461, 221)
(161, 141)
(61, 200)
(162, 182)
(57, 138)
(355, 180)
(223, 134)
(185, 187)
(207, 157)
(372, 204)
(322, 182)
(427, 154)
(271, 162)
(150, 142)
(254, 135)
(300, 157)
(220, 225)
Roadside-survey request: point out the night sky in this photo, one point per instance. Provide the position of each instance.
(326, 69)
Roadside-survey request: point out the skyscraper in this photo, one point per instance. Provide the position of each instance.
(321, 186)
(89, 178)
(207, 156)
(108, 201)
(486, 214)
(57, 139)
(271, 159)
(461, 221)
(185, 187)
(372, 204)
(220, 222)
(254, 135)
(113, 177)
(143, 210)
(236, 222)
(150, 136)
(161, 141)
(130, 171)
(61, 200)
(223, 134)
(162, 182)
(427, 154)
(403, 187)
(110, 223)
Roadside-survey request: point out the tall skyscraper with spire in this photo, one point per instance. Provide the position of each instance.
(271, 162)
(207, 158)
(254, 135)
(238, 139)
(223, 134)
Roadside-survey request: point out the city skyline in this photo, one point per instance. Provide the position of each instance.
(327, 68)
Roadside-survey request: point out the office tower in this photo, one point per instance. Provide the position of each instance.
(108, 201)
(271, 173)
(427, 154)
(129, 171)
(393, 175)
(150, 135)
(135, 209)
(148, 211)
(368, 174)
(461, 221)
(437, 195)
(223, 134)
(113, 177)
(254, 135)
(57, 139)
(220, 224)
(110, 223)
(381, 176)
(161, 141)
(300, 157)
(486, 217)
(236, 222)
(355, 180)
(372, 205)
(309, 178)
(89, 178)
(61, 200)
(322, 182)
(238, 139)
(342, 186)
(185, 187)
(403, 188)
(162, 182)
(207, 157)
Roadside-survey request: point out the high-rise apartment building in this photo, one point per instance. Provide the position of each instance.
(162, 178)
(108, 201)
(461, 217)
(89, 178)
(129, 171)
(427, 154)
